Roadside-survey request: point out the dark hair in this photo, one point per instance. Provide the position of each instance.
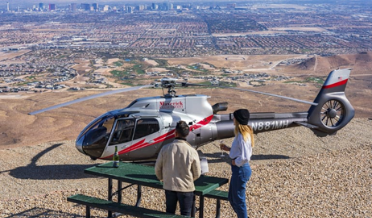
(182, 129)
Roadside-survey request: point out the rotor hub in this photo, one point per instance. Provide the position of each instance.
(170, 84)
(331, 113)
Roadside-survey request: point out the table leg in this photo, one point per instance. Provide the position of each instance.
(109, 195)
(87, 211)
(201, 206)
(119, 191)
(218, 208)
(139, 195)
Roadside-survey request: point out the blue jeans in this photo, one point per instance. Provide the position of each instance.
(186, 200)
(239, 179)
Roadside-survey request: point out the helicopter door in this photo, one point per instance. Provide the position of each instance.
(146, 129)
(123, 132)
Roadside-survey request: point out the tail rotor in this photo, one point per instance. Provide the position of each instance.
(333, 110)
(332, 113)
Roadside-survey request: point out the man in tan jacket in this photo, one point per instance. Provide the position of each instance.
(178, 166)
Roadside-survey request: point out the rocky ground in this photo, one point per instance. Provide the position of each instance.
(295, 174)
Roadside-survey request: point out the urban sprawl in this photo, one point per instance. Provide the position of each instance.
(41, 44)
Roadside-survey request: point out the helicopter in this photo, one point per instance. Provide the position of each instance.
(145, 125)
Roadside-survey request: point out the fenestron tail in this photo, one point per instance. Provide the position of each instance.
(333, 110)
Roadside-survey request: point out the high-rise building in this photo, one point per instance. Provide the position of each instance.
(106, 8)
(85, 7)
(141, 7)
(52, 7)
(154, 6)
(41, 6)
(73, 7)
(130, 9)
(164, 6)
(7, 7)
(95, 6)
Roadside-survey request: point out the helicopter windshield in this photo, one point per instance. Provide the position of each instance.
(96, 137)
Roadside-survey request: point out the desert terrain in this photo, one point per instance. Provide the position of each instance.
(296, 174)
(19, 129)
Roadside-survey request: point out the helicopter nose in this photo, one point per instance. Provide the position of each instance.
(79, 145)
(93, 142)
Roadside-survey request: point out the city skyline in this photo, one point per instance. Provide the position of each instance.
(240, 1)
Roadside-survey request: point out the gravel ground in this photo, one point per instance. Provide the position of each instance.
(295, 174)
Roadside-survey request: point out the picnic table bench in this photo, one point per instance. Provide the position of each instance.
(118, 207)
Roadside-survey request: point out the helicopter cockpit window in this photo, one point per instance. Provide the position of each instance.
(123, 131)
(96, 136)
(146, 127)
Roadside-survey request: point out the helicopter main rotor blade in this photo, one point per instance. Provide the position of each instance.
(279, 96)
(191, 84)
(258, 92)
(88, 98)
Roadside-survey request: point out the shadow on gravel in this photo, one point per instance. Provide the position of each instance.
(219, 159)
(42, 212)
(50, 172)
(217, 156)
(269, 157)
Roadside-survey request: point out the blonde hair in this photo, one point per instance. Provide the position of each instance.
(245, 130)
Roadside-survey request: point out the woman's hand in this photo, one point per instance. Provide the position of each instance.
(224, 147)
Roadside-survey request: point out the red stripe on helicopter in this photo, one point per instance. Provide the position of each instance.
(165, 135)
(134, 145)
(201, 123)
(343, 82)
(139, 145)
(162, 138)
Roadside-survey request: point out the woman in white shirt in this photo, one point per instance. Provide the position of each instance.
(240, 154)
